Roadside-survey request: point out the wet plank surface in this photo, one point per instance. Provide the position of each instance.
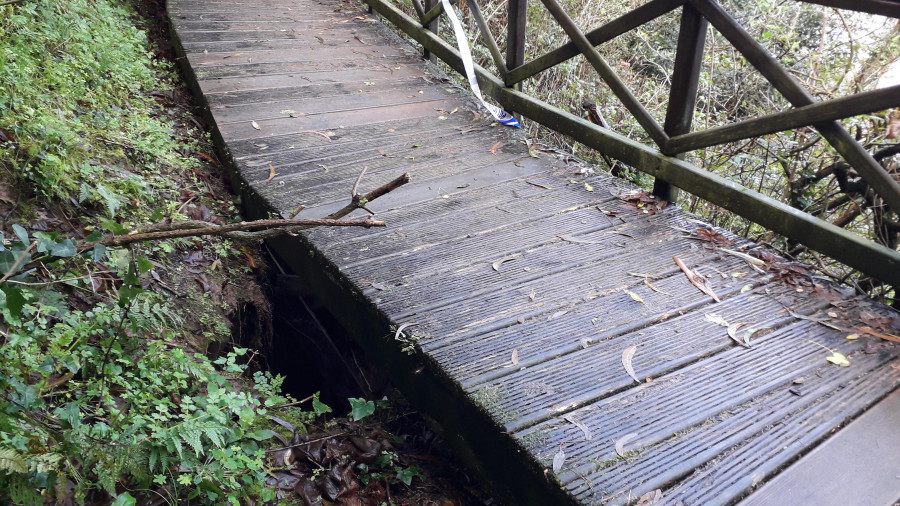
(529, 277)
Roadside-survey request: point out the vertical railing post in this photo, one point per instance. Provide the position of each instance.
(685, 79)
(434, 26)
(517, 11)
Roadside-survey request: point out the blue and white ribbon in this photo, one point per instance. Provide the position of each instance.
(463, 43)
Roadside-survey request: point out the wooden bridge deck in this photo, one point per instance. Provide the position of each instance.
(518, 273)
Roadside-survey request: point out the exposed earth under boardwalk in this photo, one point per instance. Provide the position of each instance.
(528, 287)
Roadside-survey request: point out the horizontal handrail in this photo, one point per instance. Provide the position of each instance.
(819, 112)
(848, 247)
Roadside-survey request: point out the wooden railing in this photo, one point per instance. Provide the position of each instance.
(675, 136)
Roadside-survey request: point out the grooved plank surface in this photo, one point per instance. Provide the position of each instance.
(527, 276)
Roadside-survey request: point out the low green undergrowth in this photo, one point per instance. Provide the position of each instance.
(101, 398)
(77, 111)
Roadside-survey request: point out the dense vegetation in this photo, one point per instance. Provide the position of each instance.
(105, 396)
(832, 52)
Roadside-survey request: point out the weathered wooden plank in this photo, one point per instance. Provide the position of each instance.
(199, 60)
(359, 77)
(595, 371)
(658, 410)
(352, 138)
(284, 126)
(326, 105)
(856, 466)
(304, 91)
(480, 350)
(226, 68)
(700, 450)
(261, 44)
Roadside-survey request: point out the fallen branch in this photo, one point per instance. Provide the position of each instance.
(231, 231)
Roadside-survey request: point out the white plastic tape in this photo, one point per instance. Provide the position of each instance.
(463, 43)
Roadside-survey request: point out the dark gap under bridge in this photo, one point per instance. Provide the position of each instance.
(546, 325)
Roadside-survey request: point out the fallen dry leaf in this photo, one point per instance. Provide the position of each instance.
(696, 279)
(732, 333)
(584, 428)
(627, 356)
(635, 296)
(620, 444)
(255, 125)
(496, 265)
(515, 357)
(271, 173)
(558, 460)
(495, 147)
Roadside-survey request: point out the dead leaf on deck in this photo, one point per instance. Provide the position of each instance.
(495, 147)
(635, 296)
(255, 125)
(835, 358)
(557, 314)
(651, 498)
(271, 173)
(620, 444)
(714, 318)
(532, 295)
(558, 460)
(381, 286)
(496, 265)
(696, 279)
(627, 357)
(732, 333)
(711, 236)
(515, 357)
(584, 428)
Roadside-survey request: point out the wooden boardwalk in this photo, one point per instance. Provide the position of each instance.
(528, 281)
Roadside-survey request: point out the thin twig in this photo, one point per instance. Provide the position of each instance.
(353, 193)
(295, 403)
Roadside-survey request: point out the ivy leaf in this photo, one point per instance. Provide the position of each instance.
(99, 251)
(14, 301)
(21, 233)
(64, 249)
(94, 237)
(124, 499)
(360, 408)
(157, 214)
(407, 475)
(319, 407)
(143, 264)
(127, 294)
(7, 260)
(115, 227)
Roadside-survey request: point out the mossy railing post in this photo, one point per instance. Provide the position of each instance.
(515, 35)
(685, 79)
(434, 26)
